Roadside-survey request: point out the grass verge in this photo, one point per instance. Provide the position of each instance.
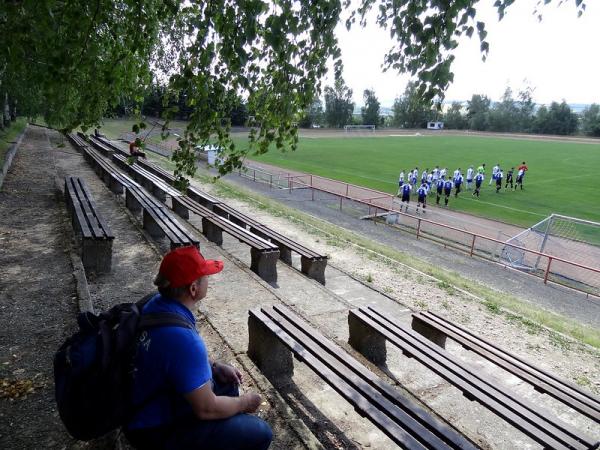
(7, 136)
(514, 309)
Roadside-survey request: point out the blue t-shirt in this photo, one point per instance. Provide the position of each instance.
(171, 361)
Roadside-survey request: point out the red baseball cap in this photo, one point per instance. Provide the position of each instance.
(185, 265)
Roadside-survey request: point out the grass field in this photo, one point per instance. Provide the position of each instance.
(561, 177)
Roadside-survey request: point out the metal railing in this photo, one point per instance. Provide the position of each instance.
(556, 270)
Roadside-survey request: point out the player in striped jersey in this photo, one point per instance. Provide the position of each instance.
(458, 181)
(478, 180)
(422, 196)
(400, 182)
(447, 191)
(439, 186)
(405, 196)
(470, 173)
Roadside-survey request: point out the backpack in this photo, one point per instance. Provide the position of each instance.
(93, 369)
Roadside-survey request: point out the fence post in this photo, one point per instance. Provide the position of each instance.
(347, 187)
(375, 217)
(547, 269)
(290, 184)
(254, 177)
(341, 198)
(271, 182)
(418, 228)
(472, 245)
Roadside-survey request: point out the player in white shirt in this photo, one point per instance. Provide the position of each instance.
(400, 182)
(495, 171)
(470, 173)
(443, 173)
(436, 174)
(456, 173)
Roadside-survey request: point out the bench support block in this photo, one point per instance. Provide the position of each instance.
(150, 225)
(366, 341)
(267, 351)
(131, 202)
(179, 209)
(96, 255)
(212, 232)
(314, 268)
(431, 333)
(115, 186)
(285, 254)
(264, 264)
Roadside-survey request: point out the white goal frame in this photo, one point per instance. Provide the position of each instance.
(348, 128)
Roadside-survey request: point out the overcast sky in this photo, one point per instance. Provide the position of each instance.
(559, 56)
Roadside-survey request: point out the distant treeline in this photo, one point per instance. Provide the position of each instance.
(512, 113)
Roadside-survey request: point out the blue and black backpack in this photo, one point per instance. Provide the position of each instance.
(93, 369)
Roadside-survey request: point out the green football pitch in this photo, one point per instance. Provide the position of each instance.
(562, 176)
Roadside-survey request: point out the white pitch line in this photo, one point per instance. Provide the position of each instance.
(503, 206)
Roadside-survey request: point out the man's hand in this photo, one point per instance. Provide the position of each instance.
(251, 402)
(224, 373)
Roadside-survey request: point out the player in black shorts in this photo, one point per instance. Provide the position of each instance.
(447, 190)
(509, 178)
(439, 189)
(499, 177)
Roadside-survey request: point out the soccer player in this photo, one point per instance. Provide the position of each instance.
(405, 196)
(458, 181)
(522, 169)
(478, 180)
(414, 176)
(424, 176)
(481, 169)
(520, 175)
(499, 176)
(509, 178)
(470, 173)
(439, 189)
(447, 191)
(429, 180)
(400, 182)
(443, 173)
(436, 174)
(422, 197)
(457, 172)
(495, 170)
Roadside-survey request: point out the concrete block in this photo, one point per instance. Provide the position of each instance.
(212, 232)
(115, 186)
(314, 268)
(264, 264)
(267, 351)
(285, 254)
(179, 209)
(151, 226)
(96, 255)
(132, 203)
(426, 330)
(366, 340)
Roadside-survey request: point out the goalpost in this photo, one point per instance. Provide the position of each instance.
(564, 237)
(349, 128)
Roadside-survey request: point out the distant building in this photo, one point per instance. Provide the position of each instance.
(435, 125)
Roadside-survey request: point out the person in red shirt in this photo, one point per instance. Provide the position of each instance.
(521, 174)
(134, 149)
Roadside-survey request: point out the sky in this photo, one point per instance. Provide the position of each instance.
(558, 57)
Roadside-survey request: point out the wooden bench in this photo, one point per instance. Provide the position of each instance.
(276, 334)
(437, 329)
(100, 146)
(96, 236)
(147, 179)
(312, 264)
(115, 180)
(263, 254)
(369, 330)
(157, 219)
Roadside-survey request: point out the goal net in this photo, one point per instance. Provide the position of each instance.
(359, 128)
(568, 238)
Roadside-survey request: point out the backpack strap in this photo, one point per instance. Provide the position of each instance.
(164, 319)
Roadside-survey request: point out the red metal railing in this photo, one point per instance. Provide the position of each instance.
(569, 276)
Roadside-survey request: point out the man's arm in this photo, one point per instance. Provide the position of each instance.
(207, 406)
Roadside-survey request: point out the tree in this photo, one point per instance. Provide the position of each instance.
(526, 109)
(409, 109)
(590, 120)
(85, 56)
(504, 114)
(454, 119)
(558, 119)
(313, 115)
(478, 112)
(338, 104)
(370, 112)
